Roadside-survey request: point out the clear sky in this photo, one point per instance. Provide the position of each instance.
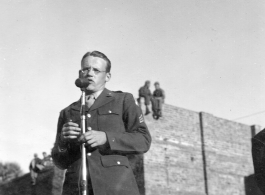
(208, 55)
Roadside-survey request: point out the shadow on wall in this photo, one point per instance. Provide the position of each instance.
(251, 187)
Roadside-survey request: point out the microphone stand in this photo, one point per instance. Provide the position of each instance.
(83, 182)
(82, 83)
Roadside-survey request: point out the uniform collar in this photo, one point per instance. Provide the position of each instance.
(96, 94)
(105, 97)
(102, 97)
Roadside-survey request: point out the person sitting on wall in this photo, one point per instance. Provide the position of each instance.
(144, 92)
(159, 99)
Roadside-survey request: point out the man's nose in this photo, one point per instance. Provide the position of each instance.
(90, 72)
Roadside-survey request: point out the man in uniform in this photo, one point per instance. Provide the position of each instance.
(145, 93)
(115, 128)
(159, 97)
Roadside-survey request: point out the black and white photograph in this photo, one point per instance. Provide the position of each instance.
(132, 97)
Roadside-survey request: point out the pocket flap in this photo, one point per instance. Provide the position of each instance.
(114, 160)
(107, 110)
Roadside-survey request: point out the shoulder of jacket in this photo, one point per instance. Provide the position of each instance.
(121, 94)
(69, 106)
(117, 92)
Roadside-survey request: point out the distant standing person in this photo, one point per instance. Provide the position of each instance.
(144, 92)
(34, 168)
(46, 161)
(159, 97)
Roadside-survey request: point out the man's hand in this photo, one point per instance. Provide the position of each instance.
(93, 138)
(70, 132)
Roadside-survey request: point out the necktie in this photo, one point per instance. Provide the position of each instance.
(90, 100)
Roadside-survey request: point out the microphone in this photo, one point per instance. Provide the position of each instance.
(81, 82)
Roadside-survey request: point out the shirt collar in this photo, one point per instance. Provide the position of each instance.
(97, 93)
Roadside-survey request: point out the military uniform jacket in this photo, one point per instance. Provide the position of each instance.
(116, 114)
(159, 93)
(144, 91)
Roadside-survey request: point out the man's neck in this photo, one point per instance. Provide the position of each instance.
(94, 93)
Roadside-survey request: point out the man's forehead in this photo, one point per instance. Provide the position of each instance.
(93, 61)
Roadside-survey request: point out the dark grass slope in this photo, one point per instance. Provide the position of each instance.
(49, 182)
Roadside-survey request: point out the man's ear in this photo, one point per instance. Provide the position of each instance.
(108, 76)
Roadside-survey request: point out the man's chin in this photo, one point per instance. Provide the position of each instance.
(90, 88)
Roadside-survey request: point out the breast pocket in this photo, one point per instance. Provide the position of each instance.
(114, 160)
(118, 174)
(109, 119)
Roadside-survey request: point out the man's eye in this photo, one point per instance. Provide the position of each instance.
(96, 70)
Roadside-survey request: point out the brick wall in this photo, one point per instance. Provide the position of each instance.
(228, 155)
(197, 153)
(174, 163)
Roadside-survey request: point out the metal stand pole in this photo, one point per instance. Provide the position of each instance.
(83, 183)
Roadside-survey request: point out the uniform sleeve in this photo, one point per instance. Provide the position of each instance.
(63, 158)
(136, 139)
(258, 154)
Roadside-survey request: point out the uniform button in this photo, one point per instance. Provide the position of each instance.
(113, 140)
(89, 128)
(89, 154)
(88, 115)
(118, 162)
(109, 111)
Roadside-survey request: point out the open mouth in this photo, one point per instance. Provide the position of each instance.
(90, 80)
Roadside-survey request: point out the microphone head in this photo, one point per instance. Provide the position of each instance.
(81, 82)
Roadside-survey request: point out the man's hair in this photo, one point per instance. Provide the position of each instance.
(99, 55)
(147, 82)
(156, 83)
